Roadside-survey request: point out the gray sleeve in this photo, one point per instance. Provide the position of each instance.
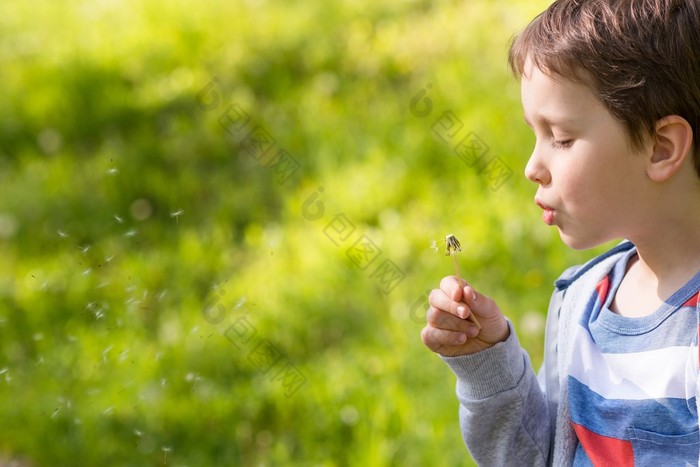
(503, 414)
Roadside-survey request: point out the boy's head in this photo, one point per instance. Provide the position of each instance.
(640, 57)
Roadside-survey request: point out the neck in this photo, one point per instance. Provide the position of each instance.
(671, 258)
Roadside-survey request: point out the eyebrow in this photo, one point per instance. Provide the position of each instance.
(551, 121)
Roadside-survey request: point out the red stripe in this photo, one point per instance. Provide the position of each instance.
(604, 451)
(602, 288)
(692, 301)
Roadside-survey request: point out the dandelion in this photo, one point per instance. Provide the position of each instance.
(452, 246)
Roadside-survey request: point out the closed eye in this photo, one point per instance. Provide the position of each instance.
(564, 144)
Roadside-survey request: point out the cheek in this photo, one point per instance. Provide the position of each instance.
(586, 187)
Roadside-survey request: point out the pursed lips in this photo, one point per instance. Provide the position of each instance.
(548, 212)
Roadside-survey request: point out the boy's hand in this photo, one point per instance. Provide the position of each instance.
(449, 333)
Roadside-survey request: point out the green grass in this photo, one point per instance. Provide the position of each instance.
(148, 261)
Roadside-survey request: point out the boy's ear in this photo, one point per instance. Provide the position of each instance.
(672, 146)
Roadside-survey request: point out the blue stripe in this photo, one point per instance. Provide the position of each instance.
(612, 417)
(574, 273)
(680, 330)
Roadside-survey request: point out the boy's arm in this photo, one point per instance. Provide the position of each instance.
(504, 416)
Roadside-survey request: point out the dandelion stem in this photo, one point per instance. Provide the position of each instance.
(471, 316)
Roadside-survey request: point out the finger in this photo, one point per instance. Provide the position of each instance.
(435, 339)
(470, 298)
(441, 301)
(452, 287)
(478, 303)
(469, 295)
(440, 319)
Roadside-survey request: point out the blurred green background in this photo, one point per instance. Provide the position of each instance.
(216, 223)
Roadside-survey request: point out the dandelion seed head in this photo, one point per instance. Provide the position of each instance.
(452, 245)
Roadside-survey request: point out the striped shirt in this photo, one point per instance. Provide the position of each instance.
(631, 381)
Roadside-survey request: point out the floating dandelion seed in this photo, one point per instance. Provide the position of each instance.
(177, 215)
(105, 352)
(166, 450)
(107, 260)
(452, 246)
(120, 220)
(112, 171)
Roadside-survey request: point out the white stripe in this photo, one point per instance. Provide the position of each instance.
(654, 374)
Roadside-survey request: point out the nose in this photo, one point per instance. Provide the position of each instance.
(536, 170)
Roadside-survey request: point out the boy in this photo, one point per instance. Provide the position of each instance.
(611, 89)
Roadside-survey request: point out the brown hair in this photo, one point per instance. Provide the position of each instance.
(641, 57)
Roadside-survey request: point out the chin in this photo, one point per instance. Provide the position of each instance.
(580, 242)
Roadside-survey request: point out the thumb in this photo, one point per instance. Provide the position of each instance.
(494, 327)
